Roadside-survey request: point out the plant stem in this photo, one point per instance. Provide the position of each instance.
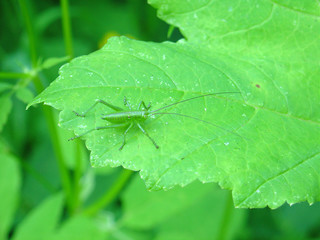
(77, 175)
(65, 178)
(170, 31)
(110, 195)
(67, 35)
(226, 219)
(30, 32)
(13, 75)
(66, 25)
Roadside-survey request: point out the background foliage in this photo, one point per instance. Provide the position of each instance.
(49, 185)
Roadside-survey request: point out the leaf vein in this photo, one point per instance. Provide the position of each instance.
(282, 173)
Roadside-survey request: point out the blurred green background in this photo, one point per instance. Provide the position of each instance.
(27, 137)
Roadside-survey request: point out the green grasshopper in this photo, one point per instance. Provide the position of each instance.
(128, 119)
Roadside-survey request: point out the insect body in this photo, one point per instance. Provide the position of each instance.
(126, 116)
(128, 119)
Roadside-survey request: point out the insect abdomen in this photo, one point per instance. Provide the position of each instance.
(123, 117)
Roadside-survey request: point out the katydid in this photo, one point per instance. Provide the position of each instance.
(128, 119)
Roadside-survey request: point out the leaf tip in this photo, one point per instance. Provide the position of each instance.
(33, 102)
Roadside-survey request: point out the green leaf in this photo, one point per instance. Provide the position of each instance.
(267, 51)
(42, 221)
(194, 212)
(80, 228)
(6, 105)
(10, 181)
(4, 86)
(143, 209)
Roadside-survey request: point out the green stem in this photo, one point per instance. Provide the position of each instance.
(65, 178)
(67, 35)
(66, 25)
(77, 175)
(30, 32)
(170, 31)
(226, 219)
(13, 75)
(110, 195)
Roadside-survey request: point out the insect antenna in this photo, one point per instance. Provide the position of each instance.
(210, 94)
(198, 119)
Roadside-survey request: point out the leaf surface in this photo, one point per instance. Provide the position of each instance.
(10, 181)
(42, 221)
(194, 212)
(80, 228)
(265, 50)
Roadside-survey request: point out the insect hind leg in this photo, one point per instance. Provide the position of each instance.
(99, 101)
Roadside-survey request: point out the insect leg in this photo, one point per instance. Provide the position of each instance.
(144, 105)
(99, 101)
(145, 133)
(124, 136)
(99, 128)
